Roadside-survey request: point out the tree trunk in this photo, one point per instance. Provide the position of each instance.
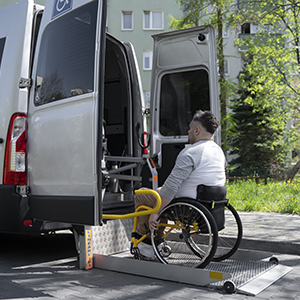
(293, 171)
(222, 79)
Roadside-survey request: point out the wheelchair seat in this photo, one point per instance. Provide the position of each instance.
(214, 199)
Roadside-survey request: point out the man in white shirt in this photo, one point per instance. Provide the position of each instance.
(201, 163)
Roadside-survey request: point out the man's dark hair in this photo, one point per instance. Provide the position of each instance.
(207, 120)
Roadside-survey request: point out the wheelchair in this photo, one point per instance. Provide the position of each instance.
(194, 232)
(230, 229)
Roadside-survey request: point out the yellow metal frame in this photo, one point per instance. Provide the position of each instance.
(148, 211)
(177, 225)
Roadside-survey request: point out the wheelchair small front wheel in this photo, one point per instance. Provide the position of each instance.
(166, 251)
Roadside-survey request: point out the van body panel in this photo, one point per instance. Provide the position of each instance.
(63, 114)
(184, 79)
(15, 21)
(60, 140)
(9, 208)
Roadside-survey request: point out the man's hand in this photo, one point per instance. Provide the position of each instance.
(153, 221)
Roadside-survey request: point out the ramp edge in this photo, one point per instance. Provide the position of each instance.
(264, 280)
(194, 276)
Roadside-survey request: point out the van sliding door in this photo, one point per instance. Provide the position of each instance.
(64, 136)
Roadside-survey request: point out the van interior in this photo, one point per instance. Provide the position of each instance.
(117, 116)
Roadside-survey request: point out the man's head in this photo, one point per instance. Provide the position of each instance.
(202, 127)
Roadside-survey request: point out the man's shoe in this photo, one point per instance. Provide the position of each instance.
(146, 250)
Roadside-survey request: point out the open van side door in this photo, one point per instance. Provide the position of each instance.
(65, 125)
(184, 79)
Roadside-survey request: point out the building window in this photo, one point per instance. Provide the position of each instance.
(66, 58)
(226, 66)
(250, 28)
(127, 20)
(246, 28)
(153, 20)
(147, 98)
(147, 60)
(226, 31)
(181, 94)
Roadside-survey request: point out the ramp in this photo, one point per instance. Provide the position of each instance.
(248, 272)
(248, 277)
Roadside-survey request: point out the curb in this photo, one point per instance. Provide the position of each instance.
(270, 246)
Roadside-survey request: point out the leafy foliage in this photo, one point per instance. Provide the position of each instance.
(257, 135)
(274, 67)
(269, 89)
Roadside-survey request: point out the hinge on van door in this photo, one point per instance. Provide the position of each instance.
(105, 179)
(22, 190)
(24, 83)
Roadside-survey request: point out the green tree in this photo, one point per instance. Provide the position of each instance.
(255, 141)
(218, 13)
(274, 69)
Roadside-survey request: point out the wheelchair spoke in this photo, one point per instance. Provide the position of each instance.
(184, 243)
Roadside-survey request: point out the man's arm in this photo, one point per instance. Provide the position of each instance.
(153, 219)
(183, 167)
(181, 171)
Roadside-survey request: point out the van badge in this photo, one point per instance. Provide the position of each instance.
(60, 7)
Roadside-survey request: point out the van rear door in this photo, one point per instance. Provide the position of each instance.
(65, 113)
(184, 79)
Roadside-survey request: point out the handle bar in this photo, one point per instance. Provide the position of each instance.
(148, 210)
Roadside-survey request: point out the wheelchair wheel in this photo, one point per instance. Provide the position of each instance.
(190, 234)
(230, 237)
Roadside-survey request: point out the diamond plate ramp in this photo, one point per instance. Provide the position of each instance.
(249, 277)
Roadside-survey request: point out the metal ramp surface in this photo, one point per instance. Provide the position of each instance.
(249, 277)
(248, 272)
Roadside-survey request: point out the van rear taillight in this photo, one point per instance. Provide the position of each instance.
(28, 222)
(15, 155)
(145, 151)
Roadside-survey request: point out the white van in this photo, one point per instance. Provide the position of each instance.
(73, 136)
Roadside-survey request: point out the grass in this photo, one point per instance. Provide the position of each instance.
(280, 197)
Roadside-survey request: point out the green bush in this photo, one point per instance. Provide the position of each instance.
(276, 196)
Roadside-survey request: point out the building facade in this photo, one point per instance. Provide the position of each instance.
(136, 21)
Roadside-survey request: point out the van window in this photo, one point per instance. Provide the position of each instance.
(2, 42)
(66, 58)
(181, 95)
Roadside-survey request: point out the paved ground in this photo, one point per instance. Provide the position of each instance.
(46, 268)
(271, 232)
